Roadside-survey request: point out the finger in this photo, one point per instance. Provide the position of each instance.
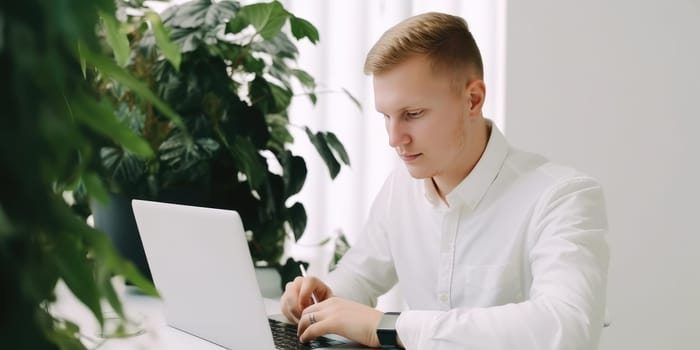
(303, 323)
(292, 288)
(289, 301)
(308, 319)
(291, 315)
(305, 319)
(313, 330)
(308, 287)
(294, 310)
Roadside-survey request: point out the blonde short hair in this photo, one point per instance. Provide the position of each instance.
(444, 39)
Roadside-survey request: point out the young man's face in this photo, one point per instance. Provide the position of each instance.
(426, 119)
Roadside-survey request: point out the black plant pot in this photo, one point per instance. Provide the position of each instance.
(116, 219)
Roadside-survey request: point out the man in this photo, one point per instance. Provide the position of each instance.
(492, 247)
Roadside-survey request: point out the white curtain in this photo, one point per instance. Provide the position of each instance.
(347, 31)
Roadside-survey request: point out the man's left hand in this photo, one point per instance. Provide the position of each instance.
(355, 321)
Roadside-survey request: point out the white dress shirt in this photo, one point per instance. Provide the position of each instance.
(518, 260)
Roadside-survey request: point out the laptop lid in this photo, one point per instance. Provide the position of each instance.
(201, 265)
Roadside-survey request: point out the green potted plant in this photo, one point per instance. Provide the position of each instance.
(230, 77)
(51, 128)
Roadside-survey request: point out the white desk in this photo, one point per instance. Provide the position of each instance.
(147, 312)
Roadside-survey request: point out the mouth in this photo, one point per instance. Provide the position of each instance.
(408, 157)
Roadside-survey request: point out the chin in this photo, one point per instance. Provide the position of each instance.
(418, 172)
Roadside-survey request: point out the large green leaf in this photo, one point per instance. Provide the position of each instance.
(337, 147)
(116, 39)
(200, 14)
(115, 72)
(220, 12)
(197, 24)
(281, 97)
(122, 166)
(107, 289)
(134, 118)
(279, 46)
(108, 257)
(282, 72)
(267, 18)
(279, 132)
(187, 15)
(95, 188)
(306, 80)
(253, 65)
(261, 95)
(302, 28)
(297, 219)
(100, 117)
(321, 145)
(313, 98)
(272, 197)
(187, 39)
(250, 161)
(207, 145)
(236, 24)
(176, 150)
(104, 283)
(242, 119)
(269, 97)
(71, 261)
(186, 157)
(132, 274)
(170, 50)
(294, 172)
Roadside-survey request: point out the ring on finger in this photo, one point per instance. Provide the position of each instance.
(312, 318)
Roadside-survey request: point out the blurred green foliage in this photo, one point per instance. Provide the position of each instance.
(51, 124)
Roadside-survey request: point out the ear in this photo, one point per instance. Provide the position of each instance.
(475, 93)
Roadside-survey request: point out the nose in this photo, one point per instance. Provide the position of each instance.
(396, 131)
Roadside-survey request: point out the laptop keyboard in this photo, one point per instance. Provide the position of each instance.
(285, 337)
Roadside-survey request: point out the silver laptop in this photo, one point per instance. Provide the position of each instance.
(202, 267)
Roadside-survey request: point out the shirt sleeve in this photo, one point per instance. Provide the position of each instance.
(366, 271)
(568, 257)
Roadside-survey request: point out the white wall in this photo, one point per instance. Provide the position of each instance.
(613, 88)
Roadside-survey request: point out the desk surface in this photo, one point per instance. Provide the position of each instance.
(148, 323)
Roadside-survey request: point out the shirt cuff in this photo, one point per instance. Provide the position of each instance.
(414, 325)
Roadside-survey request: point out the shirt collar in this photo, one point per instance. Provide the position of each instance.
(472, 189)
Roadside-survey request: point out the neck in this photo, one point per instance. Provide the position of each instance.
(474, 148)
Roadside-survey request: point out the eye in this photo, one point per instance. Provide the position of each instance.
(413, 114)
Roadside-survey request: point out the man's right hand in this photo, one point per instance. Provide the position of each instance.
(297, 296)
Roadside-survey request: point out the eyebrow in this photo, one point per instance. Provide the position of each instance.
(403, 109)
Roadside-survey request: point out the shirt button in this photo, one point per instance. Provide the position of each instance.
(443, 298)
